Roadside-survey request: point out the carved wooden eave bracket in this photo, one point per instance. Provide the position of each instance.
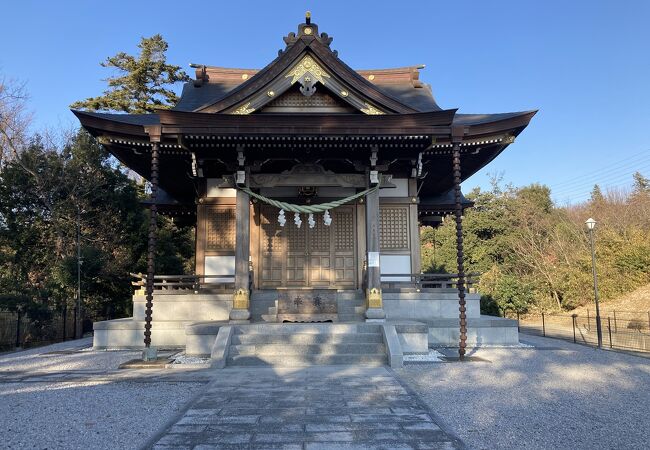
(314, 175)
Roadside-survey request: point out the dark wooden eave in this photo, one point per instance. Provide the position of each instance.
(429, 123)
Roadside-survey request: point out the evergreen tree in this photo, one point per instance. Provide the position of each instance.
(641, 183)
(596, 195)
(143, 84)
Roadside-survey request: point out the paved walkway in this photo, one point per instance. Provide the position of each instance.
(306, 408)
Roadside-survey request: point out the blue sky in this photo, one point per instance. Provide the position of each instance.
(584, 64)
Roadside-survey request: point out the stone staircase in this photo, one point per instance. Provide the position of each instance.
(305, 344)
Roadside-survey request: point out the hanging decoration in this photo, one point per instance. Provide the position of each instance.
(306, 209)
(327, 219)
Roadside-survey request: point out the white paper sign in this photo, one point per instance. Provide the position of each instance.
(373, 259)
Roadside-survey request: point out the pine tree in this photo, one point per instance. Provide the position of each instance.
(143, 84)
(641, 183)
(596, 194)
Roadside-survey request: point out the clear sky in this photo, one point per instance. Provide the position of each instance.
(585, 64)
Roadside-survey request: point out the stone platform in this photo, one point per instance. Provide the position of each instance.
(192, 320)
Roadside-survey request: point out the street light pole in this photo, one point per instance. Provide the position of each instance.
(591, 224)
(78, 324)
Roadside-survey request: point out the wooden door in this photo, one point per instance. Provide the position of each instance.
(319, 257)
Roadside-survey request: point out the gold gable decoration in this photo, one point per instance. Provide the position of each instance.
(244, 109)
(307, 64)
(371, 110)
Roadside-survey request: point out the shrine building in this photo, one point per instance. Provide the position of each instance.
(307, 182)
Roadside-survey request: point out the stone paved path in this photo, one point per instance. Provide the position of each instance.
(306, 408)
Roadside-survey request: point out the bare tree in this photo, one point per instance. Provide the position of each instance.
(14, 119)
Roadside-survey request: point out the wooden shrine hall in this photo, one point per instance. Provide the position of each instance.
(307, 182)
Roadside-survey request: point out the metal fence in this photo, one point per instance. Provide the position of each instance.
(20, 331)
(626, 330)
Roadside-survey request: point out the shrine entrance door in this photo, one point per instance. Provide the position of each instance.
(323, 256)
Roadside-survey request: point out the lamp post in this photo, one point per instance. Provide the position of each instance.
(591, 224)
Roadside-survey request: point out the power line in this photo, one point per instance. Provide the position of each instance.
(621, 162)
(602, 182)
(616, 169)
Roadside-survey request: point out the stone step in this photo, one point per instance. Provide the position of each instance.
(308, 338)
(349, 295)
(306, 360)
(310, 328)
(351, 318)
(351, 309)
(270, 318)
(307, 349)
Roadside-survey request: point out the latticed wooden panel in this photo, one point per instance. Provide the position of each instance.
(295, 99)
(295, 237)
(220, 229)
(393, 229)
(344, 230)
(319, 236)
(271, 236)
(271, 246)
(322, 256)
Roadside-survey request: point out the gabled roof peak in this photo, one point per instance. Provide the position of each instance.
(307, 31)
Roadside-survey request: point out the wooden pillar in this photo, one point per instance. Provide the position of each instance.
(151, 251)
(241, 300)
(375, 305)
(459, 251)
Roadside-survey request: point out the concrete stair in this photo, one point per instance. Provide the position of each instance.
(351, 306)
(263, 306)
(306, 344)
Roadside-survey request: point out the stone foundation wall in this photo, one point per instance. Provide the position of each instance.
(425, 306)
(188, 306)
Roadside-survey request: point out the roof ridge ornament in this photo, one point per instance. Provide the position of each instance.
(308, 31)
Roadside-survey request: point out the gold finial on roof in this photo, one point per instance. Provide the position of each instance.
(308, 17)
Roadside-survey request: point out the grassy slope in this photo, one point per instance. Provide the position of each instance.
(635, 301)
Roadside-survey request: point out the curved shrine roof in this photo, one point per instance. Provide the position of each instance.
(213, 84)
(352, 111)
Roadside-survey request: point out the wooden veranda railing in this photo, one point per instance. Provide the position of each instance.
(419, 281)
(193, 283)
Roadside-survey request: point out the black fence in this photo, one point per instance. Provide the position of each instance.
(20, 331)
(625, 330)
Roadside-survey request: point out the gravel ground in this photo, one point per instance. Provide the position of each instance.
(98, 411)
(53, 358)
(556, 395)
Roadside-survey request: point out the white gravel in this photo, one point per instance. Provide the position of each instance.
(432, 356)
(183, 359)
(88, 415)
(70, 355)
(99, 409)
(555, 395)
